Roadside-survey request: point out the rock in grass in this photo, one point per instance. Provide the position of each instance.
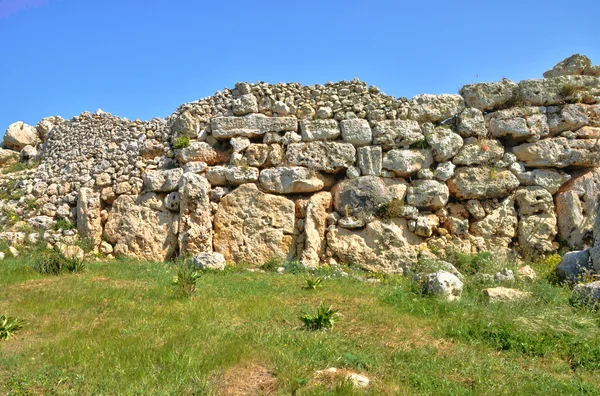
(587, 294)
(574, 266)
(210, 261)
(503, 294)
(444, 284)
(504, 275)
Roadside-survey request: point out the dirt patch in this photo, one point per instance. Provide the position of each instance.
(249, 379)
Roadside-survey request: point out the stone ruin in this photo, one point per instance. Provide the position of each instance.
(334, 173)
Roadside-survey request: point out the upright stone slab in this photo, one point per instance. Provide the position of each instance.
(314, 229)
(195, 225)
(370, 160)
(89, 221)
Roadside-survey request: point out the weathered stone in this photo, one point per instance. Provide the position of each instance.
(519, 124)
(498, 228)
(162, 180)
(443, 284)
(357, 132)
(475, 209)
(8, 156)
(360, 197)
(550, 179)
(537, 232)
(245, 104)
(559, 153)
(574, 266)
(19, 135)
(479, 151)
(209, 261)
(471, 123)
(369, 160)
(397, 133)
(406, 162)
(569, 117)
(444, 171)
(188, 124)
(426, 225)
(251, 125)
(558, 90)
(445, 144)
(293, 180)
(482, 182)
(317, 209)
(504, 275)
(141, 227)
(89, 221)
(236, 175)
(29, 154)
(503, 294)
(573, 65)
(70, 252)
(172, 201)
(533, 200)
(576, 208)
(41, 222)
(329, 157)
(427, 194)
(587, 294)
(527, 273)
(195, 224)
(251, 226)
(383, 246)
(435, 108)
(202, 151)
(490, 96)
(313, 130)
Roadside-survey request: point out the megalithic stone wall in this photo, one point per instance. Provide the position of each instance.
(328, 173)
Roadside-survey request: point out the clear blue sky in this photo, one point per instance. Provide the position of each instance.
(143, 58)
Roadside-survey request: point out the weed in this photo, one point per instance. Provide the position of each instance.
(323, 319)
(420, 145)
(63, 224)
(272, 264)
(8, 326)
(294, 267)
(493, 173)
(49, 264)
(390, 209)
(186, 279)
(181, 142)
(312, 283)
(10, 215)
(567, 91)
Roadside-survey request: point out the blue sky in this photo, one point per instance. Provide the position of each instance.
(142, 58)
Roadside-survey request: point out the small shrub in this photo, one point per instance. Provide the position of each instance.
(567, 91)
(322, 320)
(63, 224)
(474, 263)
(74, 265)
(49, 264)
(272, 264)
(181, 142)
(390, 209)
(294, 267)
(9, 325)
(11, 216)
(312, 283)
(420, 145)
(186, 279)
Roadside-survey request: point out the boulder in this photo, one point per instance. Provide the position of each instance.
(537, 232)
(444, 143)
(293, 180)
(8, 156)
(503, 294)
(313, 130)
(141, 227)
(356, 131)
(479, 151)
(407, 162)
(195, 224)
(549, 179)
(569, 117)
(251, 226)
(369, 160)
(235, 175)
(518, 124)
(587, 294)
(317, 210)
(573, 65)
(533, 200)
(162, 180)
(360, 197)
(70, 252)
(559, 153)
(471, 123)
(397, 133)
(245, 104)
(435, 108)
(383, 246)
(574, 266)
(252, 125)
(89, 219)
(19, 135)
(443, 284)
(204, 152)
(498, 228)
(427, 194)
(558, 90)
(527, 273)
(209, 261)
(29, 154)
(504, 275)
(482, 182)
(490, 96)
(329, 157)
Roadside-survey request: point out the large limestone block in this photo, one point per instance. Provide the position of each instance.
(537, 232)
(360, 197)
(482, 182)
(313, 130)
(490, 96)
(19, 135)
(573, 65)
(317, 210)
(141, 227)
(235, 175)
(518, 124)
(397, 133)
(498, 228)
(534, 200)
(383, 246)
(8, 156)
(164, 180)
(329, 157)
(245, 104)
(89, 220)
(559, 153)
(195, 225)
(356, 131)
(471, 123)
(435, 108)
(427, 194)
(569, 117)
(251, 226)
(576, 208)
(479, 151)
(293, 180)
(443, 284)
(204, 152)
(407, 162)
(251, 125)
(369, 160)
(444, 143)
(550, 179)
(188, 124)
(503, 294)
(558, 90)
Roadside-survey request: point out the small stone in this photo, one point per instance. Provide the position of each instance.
(209, 261)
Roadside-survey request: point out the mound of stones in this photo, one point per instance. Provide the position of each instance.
(334, 173)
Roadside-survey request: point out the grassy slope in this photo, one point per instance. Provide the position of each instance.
(118, 329)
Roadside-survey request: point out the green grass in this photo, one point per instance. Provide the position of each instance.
(181, 142)
(120, 328)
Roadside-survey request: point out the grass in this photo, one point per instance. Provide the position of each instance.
(119, 328)
(181, 142)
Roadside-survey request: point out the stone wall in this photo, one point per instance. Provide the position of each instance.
(329, 173)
